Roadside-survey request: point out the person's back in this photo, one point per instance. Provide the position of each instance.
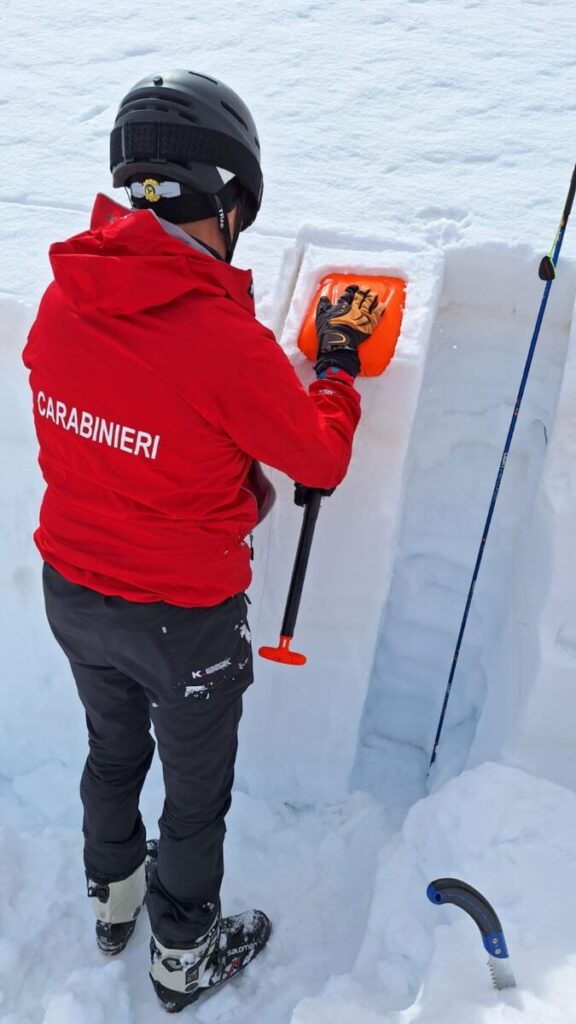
(155, 393)
(154, 388)
(132, 452)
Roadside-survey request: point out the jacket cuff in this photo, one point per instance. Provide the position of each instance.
(328, 371)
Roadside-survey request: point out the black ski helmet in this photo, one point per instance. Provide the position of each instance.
(192, 129)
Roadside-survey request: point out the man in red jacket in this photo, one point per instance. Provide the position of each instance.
(155, 391)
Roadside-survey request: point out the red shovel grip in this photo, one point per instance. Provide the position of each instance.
(282, 653)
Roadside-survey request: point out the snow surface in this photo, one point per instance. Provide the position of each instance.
(421, 137)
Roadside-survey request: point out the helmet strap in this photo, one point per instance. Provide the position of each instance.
(240, 215)
(229, 242)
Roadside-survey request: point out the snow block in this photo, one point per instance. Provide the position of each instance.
(480, 338)
(300, 729)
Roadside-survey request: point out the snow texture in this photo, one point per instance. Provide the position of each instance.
(425, 138)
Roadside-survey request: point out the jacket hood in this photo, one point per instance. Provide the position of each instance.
(127, 263)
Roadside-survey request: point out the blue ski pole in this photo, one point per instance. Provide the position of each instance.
(547, 273)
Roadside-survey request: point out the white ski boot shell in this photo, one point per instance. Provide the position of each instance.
(181, 976)
(117, 904)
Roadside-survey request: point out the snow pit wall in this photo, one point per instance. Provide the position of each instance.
(541, 623)
(38, 698)
(300, 730)
(479, 344)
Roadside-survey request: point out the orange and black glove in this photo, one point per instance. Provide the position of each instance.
(343, 326)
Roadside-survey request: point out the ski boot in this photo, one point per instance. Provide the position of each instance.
(181, 976)
(117, 904)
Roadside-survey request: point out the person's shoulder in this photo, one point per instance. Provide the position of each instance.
(51, 301)
(218, 311)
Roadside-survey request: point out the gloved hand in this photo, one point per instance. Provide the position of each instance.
(343, 326)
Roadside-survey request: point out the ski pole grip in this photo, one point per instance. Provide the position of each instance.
(569, 199)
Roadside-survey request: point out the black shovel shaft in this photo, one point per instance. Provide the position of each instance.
(301, 563)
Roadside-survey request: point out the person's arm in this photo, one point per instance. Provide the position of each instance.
(258, 400)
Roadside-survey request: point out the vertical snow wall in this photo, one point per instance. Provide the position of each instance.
(479, 344)
(300, 732)
(534, 729)
(396, 544)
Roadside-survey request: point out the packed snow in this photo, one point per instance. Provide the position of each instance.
(423, 138)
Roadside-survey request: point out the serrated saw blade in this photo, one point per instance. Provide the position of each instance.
(501, 973)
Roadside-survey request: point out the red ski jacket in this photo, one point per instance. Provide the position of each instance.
(154, 390)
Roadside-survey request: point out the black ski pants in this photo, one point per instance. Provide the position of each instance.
(184, 670)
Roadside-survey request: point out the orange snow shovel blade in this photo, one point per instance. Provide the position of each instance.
(376, 353)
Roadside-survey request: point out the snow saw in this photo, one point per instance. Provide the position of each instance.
(460, 894)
